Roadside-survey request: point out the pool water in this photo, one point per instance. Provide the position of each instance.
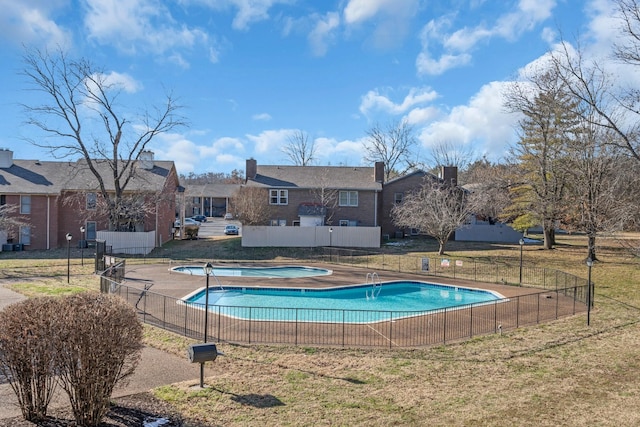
(354, 304)
(282, 272)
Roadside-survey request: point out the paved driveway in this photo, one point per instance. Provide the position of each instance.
(215, 227)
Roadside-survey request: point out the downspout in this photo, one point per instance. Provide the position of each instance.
(375, 210)
(158, 237)
(48, 222)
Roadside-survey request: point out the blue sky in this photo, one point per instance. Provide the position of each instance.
(250, 73)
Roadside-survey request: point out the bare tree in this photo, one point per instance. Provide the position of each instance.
(325, 196)
(392, 145)
(488, 185)
(251, 205)
(448, 153)
(82, 117)
(611, 106)
(10, 222)
(299, 150)
(437, 210)
(627, 49)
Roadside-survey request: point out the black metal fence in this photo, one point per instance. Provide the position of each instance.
(454, 268)
(561, 295)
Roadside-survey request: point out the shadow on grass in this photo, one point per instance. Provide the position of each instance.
(258, 400)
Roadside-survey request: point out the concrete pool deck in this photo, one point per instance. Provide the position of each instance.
(159, 279)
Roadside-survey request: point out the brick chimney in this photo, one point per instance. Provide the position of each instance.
(6, 158)
(378, 173)
(449, 175)
(251, 169)
(145, 160)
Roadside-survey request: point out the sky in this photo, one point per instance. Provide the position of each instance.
(251, 73)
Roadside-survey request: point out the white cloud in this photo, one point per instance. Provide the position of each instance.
(125, 81)
(375, 101)
(333, 152)
(482, 123)
(443, 50)
(357, 11)
(178, 148)
(425, 64)
(262, 117)
(323, 33)
(29, 22)
(139, 25)
(270, 141)
(391, 19)
(247, 11)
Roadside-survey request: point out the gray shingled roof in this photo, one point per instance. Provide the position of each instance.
(212, 190)
(37, 177)
(305, 177)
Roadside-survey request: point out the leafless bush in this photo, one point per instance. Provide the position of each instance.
(27, 352)
(100, 342)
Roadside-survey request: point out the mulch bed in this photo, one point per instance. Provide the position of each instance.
(134, 410)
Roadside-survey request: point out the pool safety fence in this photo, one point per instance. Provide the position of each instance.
(349, 328)
(509, 272)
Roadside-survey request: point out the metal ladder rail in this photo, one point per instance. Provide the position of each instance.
(376, 286)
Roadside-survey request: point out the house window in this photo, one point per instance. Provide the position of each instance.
(3, 200)
(397, 198)
(196, 200)
(348, 198)
(92, 200)
(278, 197)
(25, 235)
(25, 204)
(278, 222)
(344, 223)
(91, 230)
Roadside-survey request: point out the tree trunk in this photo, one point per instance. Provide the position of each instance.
(591, 247)
(548, 238)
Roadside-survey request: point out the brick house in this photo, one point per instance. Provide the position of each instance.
(55, 198)
(396, 189)
(352, 194)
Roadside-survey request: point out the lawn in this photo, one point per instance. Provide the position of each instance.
(559, 373)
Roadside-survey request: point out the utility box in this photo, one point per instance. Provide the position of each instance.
(200, 353)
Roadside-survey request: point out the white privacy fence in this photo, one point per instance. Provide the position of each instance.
(125, 242)
(286, 236)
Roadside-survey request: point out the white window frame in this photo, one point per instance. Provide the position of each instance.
(25, 205)
(278, 197)
(278, 222)
(348, 198)
(91, 201)
(398, 198)
(25, 234)
(91, 229)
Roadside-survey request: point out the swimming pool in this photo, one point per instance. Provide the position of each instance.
(354, 304)
(287, 271)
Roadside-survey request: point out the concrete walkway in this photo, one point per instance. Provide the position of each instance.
(156, 368)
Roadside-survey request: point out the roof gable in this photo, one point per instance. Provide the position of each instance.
(307, 177)
(36, 177)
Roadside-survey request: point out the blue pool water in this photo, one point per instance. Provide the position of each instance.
(354, 304)
(282, 272)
